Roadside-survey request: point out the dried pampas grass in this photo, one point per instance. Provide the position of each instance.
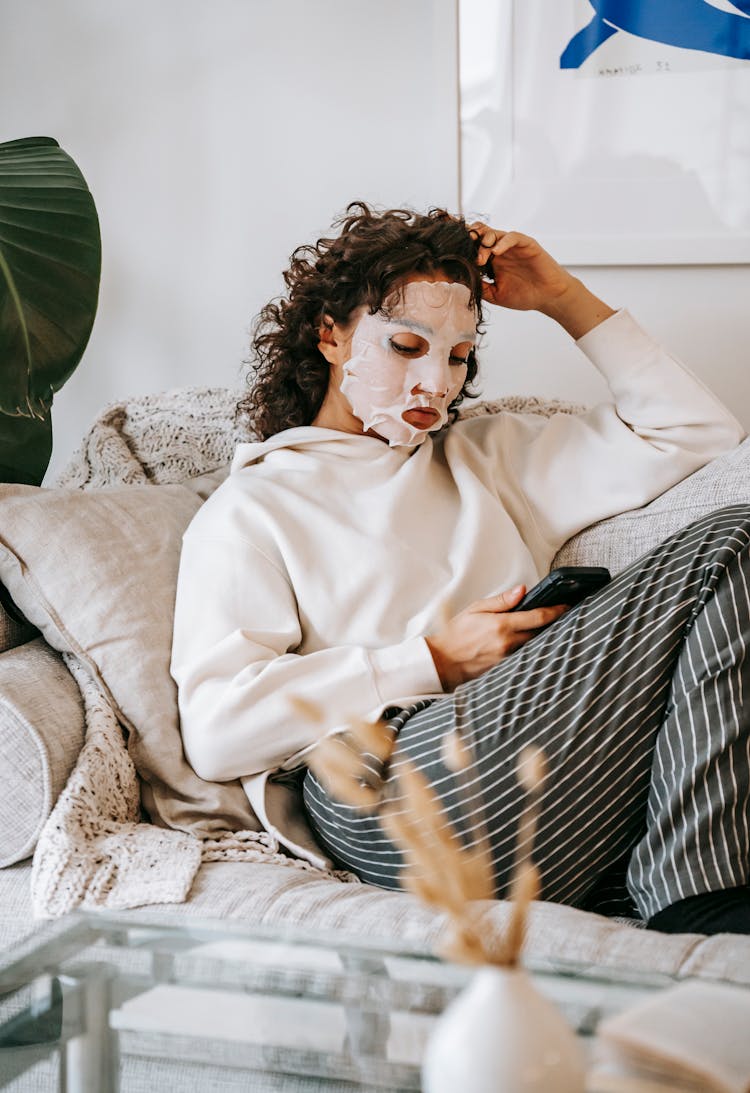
(439, 869)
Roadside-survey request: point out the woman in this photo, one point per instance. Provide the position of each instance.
(366, 552)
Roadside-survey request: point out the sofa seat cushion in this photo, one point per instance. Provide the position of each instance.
(273, 895)
(16, 919)
(41, 733)
(250, 894)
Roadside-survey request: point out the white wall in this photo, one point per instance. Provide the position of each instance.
(216, 135)
(701, 313)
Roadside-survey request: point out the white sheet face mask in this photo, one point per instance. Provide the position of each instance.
(381, 384)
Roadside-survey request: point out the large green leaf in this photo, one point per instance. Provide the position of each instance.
(25, 448)
(50, 261)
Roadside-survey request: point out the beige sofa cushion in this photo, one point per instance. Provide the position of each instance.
(41, 733)
(618, 541)
(277, 896)
(96, 572)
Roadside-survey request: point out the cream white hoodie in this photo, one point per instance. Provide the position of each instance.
(318, 566)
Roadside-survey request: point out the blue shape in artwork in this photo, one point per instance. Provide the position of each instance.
(583, 44)
(688, 24)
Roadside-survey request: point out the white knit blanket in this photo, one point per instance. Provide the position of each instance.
(94, 850)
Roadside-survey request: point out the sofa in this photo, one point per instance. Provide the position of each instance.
(88, 709)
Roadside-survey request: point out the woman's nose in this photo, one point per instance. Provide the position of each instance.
(434, 378)
(431, 390)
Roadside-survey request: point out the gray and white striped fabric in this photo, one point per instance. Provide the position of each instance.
(637, 698)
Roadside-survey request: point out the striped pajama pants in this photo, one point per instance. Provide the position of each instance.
(636, 697)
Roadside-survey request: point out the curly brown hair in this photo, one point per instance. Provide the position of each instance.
(373, 253)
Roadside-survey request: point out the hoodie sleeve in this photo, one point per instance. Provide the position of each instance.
(662, 425)
(236, 628)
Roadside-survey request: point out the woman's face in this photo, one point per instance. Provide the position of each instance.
(396, 372)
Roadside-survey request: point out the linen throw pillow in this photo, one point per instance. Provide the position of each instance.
(96, 572)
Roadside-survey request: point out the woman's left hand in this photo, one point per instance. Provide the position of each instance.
(520, 274)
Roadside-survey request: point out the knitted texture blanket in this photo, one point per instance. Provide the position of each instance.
(95, 850)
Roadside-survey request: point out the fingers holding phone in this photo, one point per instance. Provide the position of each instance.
(487, 631)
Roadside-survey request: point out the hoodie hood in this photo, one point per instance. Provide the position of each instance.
(313, 438)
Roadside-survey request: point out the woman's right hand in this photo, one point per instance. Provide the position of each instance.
(483, 634)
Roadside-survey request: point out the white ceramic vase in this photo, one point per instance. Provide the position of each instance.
(500, 1035)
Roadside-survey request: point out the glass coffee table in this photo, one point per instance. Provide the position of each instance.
(109, 1003)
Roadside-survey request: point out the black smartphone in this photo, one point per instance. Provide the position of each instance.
(569, 584)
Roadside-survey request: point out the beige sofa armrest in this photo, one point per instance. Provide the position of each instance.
(41, 734)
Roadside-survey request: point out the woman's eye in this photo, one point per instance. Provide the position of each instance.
(462, 353)
(408, 349)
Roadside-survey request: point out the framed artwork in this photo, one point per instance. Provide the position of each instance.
(615, 131)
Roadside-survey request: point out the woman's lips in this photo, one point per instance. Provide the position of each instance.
(421, 417)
